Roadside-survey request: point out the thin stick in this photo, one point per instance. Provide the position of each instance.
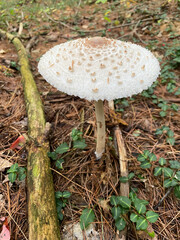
(100, 119)
(123, 162)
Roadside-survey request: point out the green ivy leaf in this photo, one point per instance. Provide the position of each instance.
(177, 191)
(158, 131)
(52, 155)
(170, 133)
(141, 201)
(120, 224)
(174, 164)
(141, 224)
(116, 212)
(114, 200)
(79, 144)
(165, 128)
(13, 168)
(146, 153)
(59, 163)
(58, 194)
(134, 217)
(170, 183)
(157, 171)
(171, 141)
(63, 148)
(152, 157)
(151, 234)
(131, 175)
(125, 202)
(86, 218)
(141, 158)
(152, 216)
(132, 196)
(60, 215)
(174, 107)
(145, 165)
(12, 177)
(141, 208)
(21, 173)
(162, 161)
(66, 194)
(167, 172)
(123, 179)
(162, 113)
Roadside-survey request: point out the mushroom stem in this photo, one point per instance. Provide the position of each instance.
(100, 119)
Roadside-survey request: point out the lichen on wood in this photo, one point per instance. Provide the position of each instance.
(42, 215)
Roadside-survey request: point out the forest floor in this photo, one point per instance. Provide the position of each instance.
(152, 117)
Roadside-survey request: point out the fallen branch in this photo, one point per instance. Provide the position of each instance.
(42, 215)
(123, 162)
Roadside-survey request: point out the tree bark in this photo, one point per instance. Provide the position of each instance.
(42, 214)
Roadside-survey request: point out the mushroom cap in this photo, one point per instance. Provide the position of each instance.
(99, 68)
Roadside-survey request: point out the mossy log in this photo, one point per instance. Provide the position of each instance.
(42, 214)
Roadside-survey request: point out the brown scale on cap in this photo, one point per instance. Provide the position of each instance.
(97, 42)
(58, 73)
(120, 82)
(143, 67)
(93, 74)
(120, 63)
(141, 81)
(133, 74)
(108, 80)
(93, 79)
(51, 65)
(57, 60)
(102, 66)
(71, 68)
(95, 90)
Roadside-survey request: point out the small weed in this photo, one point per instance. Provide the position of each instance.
(78, 143)
(146, 158)
(86, 218)
(135, 207)
(61, 200)
(16, 173)
(165, 130)
(170, 175)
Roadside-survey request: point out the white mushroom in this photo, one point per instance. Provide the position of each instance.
(97, 69)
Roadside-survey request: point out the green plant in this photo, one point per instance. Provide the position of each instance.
(165, 130)
(135, 207)
(86, 218)
(171, 174)
(122, 104)
(146, 158)
(78, 142)
(16, 173)
(61, 200)
(126, 179)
